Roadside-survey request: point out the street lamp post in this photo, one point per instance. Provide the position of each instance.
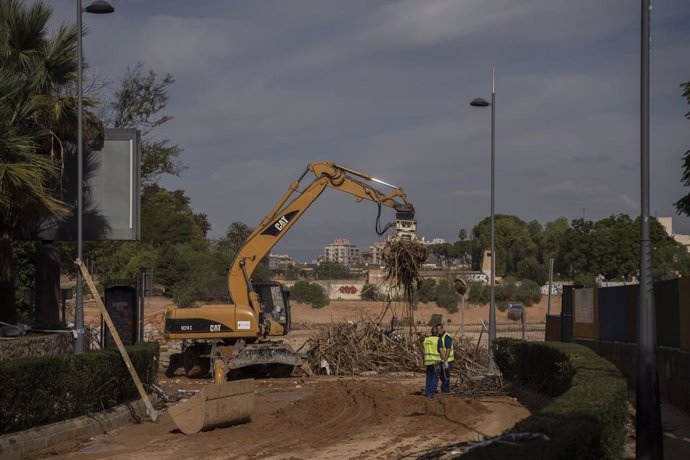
(97, 7)
(479, 102)
(648, 428)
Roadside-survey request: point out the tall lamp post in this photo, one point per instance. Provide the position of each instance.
(479, 102)
(648, 429)
(97, 7)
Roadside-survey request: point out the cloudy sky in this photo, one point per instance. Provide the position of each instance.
(265, 87)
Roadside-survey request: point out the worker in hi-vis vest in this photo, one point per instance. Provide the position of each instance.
(432, 362)
(445, 349)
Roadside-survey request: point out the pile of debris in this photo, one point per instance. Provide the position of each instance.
(353, 348)
(365, 347)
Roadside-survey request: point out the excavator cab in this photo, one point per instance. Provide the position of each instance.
(275, 302)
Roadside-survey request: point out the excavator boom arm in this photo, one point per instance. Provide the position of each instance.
(287, 211)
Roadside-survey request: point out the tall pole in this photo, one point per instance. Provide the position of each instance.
(492, 306)
(649, 443)
(548, 305)
(462, 316)
(79, 309)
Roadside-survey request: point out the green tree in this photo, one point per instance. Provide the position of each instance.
(445, 252)
(615, 248)
(669, 258)
(235, 236)
(536, 233)
(426, 291)
(446, 297)
(529, 268)
(683, 205)
(553, 241)
(139, 102)
(168, 218)
(462, 234)
(122, 259)
(311, 293)
(610, 247)
(513, 242)
(528, 292)
(37, 127)
(332, 271)
(478, 293)
(577, 248)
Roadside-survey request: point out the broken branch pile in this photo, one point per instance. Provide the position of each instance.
(355, 348)
(352, 348)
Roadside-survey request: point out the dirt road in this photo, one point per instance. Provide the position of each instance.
(318, 417)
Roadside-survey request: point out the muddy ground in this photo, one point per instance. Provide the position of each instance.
(319, 416)
(311, 418)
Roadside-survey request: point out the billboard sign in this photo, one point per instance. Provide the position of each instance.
(111, 194)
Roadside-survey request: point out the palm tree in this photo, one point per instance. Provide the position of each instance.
(236, 235)
(37, 127)
(683, 205)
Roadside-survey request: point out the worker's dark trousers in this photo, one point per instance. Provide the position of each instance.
(445, 378)
(431, 380)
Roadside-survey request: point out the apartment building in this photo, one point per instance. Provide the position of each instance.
(279, 261)
(341, 251)
(376, 250)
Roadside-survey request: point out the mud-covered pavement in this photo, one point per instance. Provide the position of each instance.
(315, 417)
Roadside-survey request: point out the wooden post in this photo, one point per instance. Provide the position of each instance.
(130, 367)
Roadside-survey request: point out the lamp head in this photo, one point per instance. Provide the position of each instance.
(99, 7)
(479, 102)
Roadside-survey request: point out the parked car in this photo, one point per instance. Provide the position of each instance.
(516, 311)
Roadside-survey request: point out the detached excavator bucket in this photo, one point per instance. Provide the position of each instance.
(215, 406)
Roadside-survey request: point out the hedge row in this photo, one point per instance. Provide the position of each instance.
(586, 420)
(38, 391)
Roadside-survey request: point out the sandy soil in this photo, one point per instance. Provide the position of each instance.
(319, 416)
(344, 310)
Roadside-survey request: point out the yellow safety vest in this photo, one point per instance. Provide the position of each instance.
(451, 354)
(431, 354)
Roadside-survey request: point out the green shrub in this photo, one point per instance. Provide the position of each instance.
(446, 297)
(311, 293)
(528, 292)
(513, 290)
(587, 418)
(38, 391)
(479, 293)
(426, 291)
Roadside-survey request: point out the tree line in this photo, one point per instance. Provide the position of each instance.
(582, 250)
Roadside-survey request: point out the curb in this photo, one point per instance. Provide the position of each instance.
(14, 445)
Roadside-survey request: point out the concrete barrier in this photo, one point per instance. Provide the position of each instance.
(17, 445)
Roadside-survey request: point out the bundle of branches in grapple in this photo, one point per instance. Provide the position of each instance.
(352, 348)
(403, 259)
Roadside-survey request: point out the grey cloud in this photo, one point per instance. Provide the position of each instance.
(263, 88)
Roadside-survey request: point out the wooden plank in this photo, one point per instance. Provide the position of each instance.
(130, 367)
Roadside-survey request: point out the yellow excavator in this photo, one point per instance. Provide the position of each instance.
(239, 337)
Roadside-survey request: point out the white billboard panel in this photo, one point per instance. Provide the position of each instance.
(111, 193)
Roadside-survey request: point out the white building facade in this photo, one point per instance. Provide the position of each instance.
(341, 251)
(376, 250)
